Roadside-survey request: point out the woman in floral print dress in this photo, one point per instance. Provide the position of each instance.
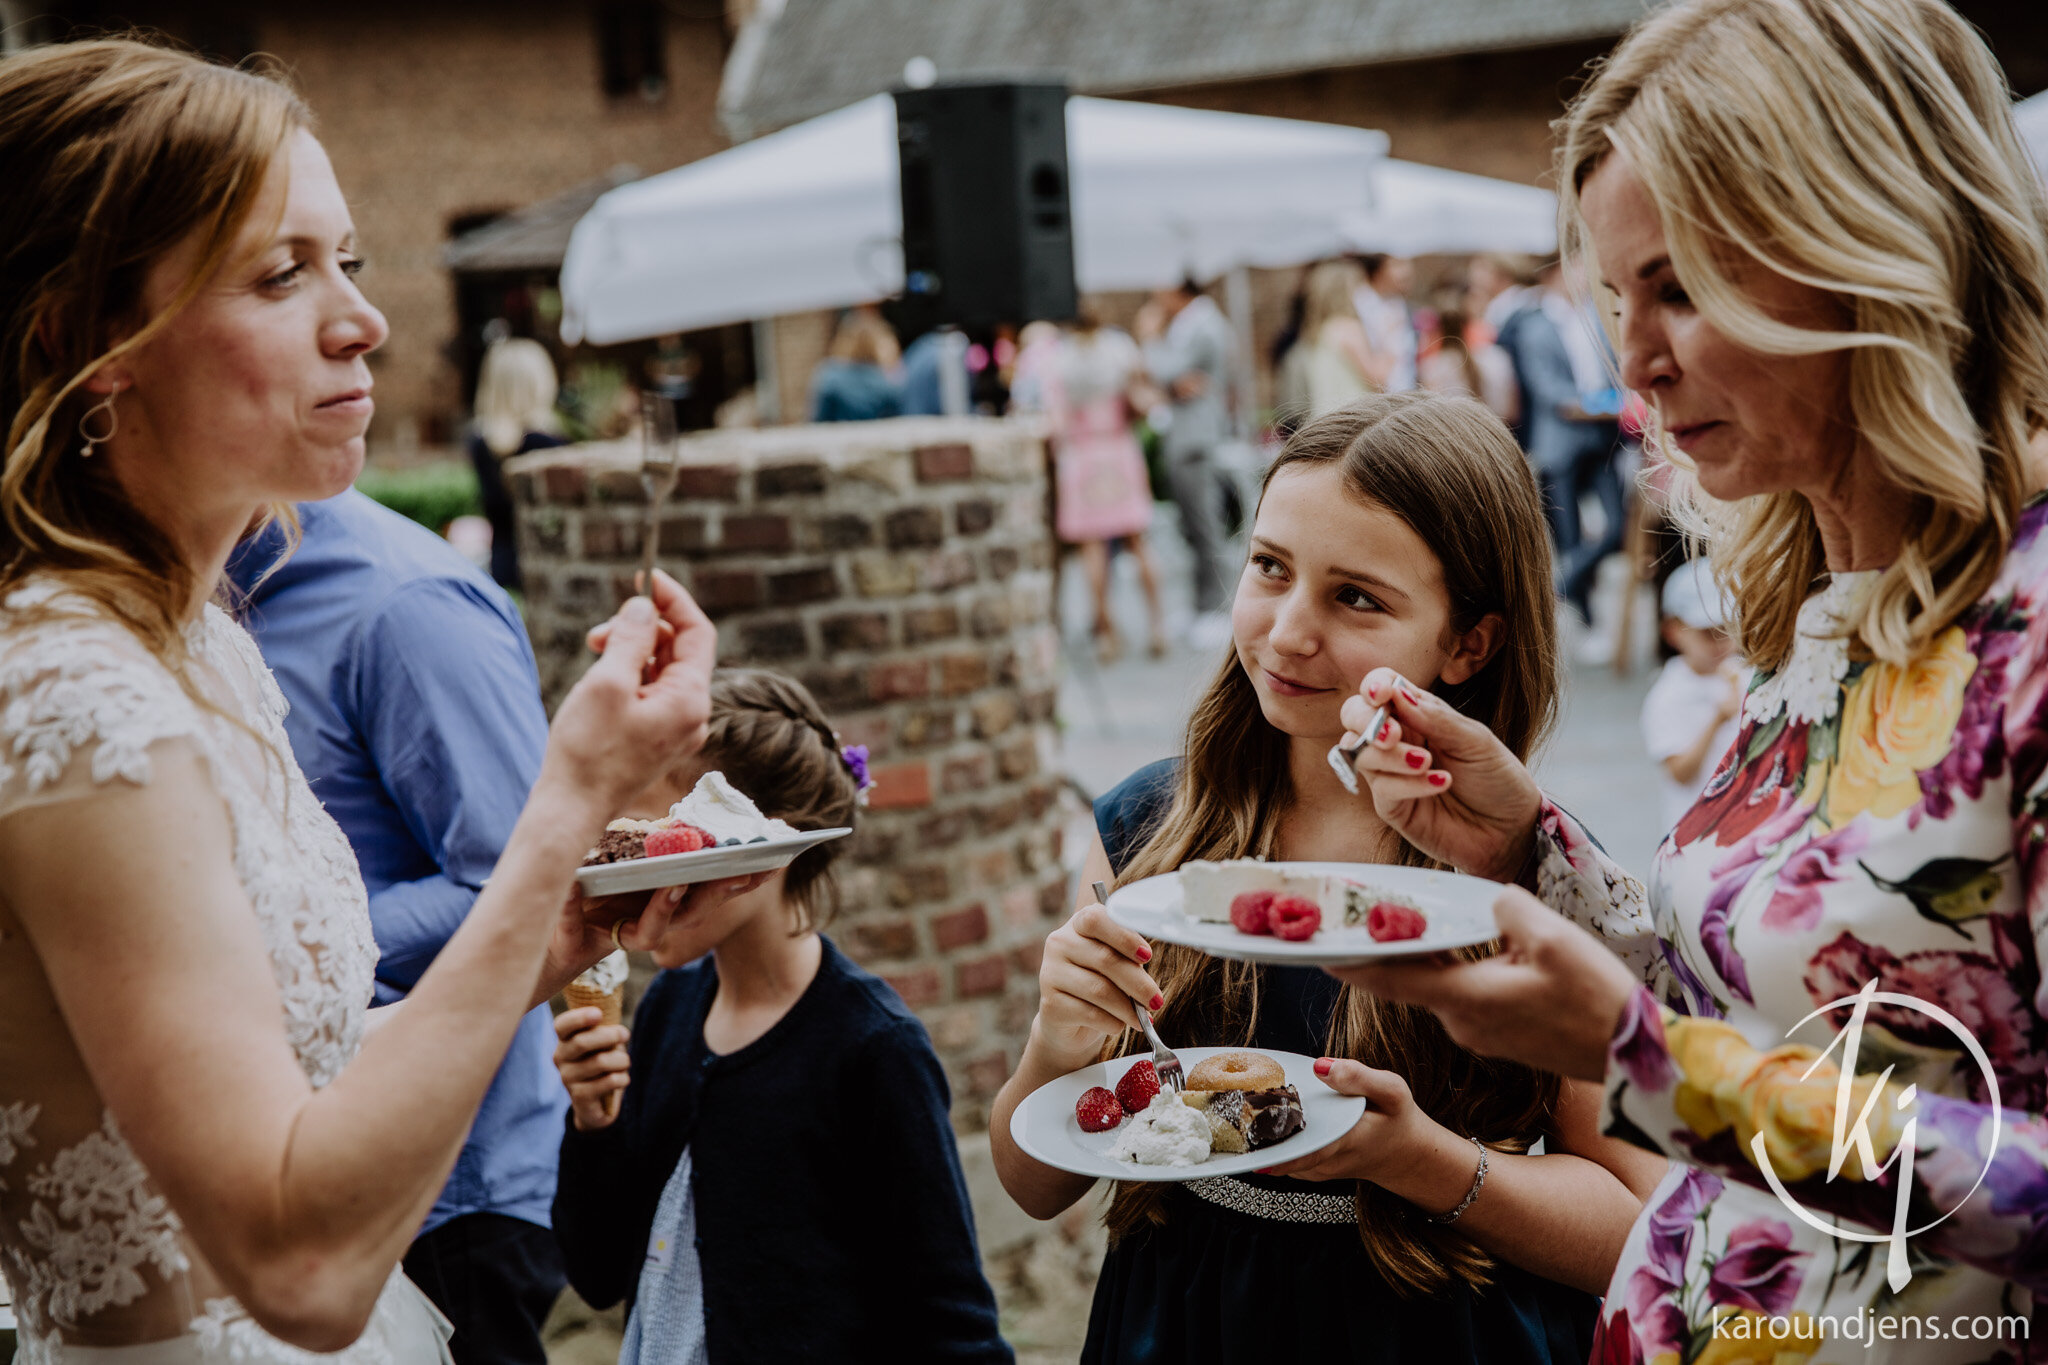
(1824, 252)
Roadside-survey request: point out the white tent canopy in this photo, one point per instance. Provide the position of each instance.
(810, 217)
(2032, 117)
(1418, 208)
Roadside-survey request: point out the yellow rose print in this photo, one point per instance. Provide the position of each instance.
(1896, 721)
(1724, 1081)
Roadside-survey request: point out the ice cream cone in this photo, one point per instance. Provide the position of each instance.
(605, 987)
(578, 996)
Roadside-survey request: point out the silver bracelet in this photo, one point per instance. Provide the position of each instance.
(1478, 1179)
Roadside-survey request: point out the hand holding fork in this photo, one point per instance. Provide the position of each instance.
(1168, 1067)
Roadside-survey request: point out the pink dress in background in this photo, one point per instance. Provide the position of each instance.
(1100, 471)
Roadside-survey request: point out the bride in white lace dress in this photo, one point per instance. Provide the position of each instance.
(209, 1149)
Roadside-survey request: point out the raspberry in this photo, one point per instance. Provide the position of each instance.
(1098, 1111)
(1388, 922)
(676, 839)
(1251, 912)
(1295, 917)
(1137, 1087)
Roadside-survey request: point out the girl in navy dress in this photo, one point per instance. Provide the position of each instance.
(1401, 532)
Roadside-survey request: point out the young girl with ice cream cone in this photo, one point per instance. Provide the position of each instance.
(784, 1122)
(1404, 532)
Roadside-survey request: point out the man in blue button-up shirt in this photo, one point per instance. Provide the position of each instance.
(416, 713)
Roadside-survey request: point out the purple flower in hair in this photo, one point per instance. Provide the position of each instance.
(856, 756)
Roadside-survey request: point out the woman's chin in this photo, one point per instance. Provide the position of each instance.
(333, 473)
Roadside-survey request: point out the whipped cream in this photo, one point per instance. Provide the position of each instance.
(724, 812)
(607, 975)
(1166, 1133)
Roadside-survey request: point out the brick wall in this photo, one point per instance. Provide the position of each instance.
(453, 107)
(903, 571)
(1488, 113)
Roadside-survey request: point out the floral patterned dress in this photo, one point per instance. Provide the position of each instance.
(1872, 824)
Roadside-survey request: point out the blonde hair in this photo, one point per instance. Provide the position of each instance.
(864, 339)
(1866, 148)
(113, 153)
(1327, 294)
(515, 394)
(1413, 454)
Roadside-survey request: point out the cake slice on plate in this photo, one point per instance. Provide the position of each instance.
(1207, 889)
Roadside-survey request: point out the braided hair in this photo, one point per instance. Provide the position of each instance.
(772, 741)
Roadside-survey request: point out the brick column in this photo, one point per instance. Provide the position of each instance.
(903, 571)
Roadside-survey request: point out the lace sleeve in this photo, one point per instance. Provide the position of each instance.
(1576, 878)
(81, 704)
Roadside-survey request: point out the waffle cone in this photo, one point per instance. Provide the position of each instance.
(578, 997)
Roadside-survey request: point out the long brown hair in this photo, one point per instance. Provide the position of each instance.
(113, 152)
(1417, 455)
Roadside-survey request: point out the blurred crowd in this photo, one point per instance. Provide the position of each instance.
(1161, 412)
(1164, 413)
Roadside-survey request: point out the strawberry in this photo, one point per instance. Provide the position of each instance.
(1137, 1087)
(676, 839)
(1295, 917)
(1098, 1111)
(1251, 912)
(1388, 922)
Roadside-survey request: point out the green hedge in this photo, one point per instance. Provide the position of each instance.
(431, 494)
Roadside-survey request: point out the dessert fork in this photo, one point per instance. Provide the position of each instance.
(1344, 756)
(1164, 1063)
(658, 470)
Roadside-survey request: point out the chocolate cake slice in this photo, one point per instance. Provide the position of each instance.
(1246, 1120)
(617, 846)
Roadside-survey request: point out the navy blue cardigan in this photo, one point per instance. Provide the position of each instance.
(832, 1215)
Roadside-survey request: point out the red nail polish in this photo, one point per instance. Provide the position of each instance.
(1414, 697)
(1157, 1001)
(1323, 1065)
(1418, 759)
(1144, 953)
(1439, 779)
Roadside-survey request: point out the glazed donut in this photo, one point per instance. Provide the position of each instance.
(1237, 1071)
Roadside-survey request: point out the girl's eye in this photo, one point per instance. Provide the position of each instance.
(353, 266)
(1357, 597)
(1267, 566)
(285, 277)
(1676, 297)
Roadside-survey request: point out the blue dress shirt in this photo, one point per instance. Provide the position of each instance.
(416, 714)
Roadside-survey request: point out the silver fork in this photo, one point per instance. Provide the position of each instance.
(1344, 757)
(1164, 1063)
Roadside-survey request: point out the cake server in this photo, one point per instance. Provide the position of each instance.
(1344, 756)
(1171, 1077)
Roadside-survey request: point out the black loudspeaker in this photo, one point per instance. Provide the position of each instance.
(987, 237)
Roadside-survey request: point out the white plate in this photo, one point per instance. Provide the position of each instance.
(705, 865)
(1045, 1127)
(1459, 911)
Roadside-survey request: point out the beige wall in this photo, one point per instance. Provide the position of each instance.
(432, 111)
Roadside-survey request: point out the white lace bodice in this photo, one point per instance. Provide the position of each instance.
(94, 1254)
